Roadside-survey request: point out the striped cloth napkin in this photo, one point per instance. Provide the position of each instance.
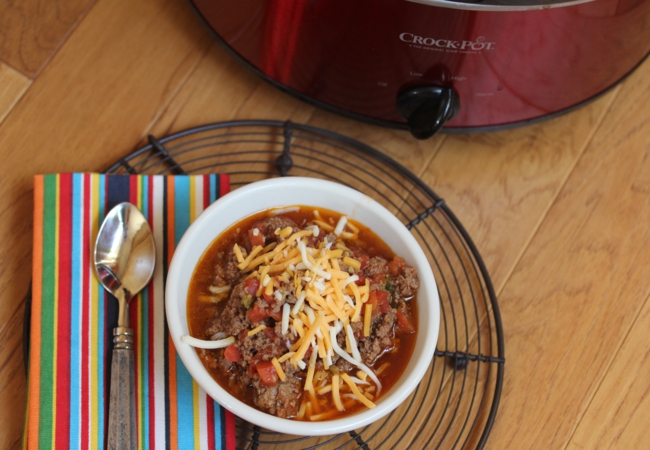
(73, 318)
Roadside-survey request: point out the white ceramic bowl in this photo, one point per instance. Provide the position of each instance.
(279, 192)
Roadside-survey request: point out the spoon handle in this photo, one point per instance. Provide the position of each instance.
(121, 420)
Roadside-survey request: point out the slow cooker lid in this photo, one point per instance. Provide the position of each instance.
(500, 5)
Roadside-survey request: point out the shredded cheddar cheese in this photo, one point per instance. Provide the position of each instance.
(366, 321)
(335, 393)
(325, 389)
(278, 369)
(352, 263)
(249, 258)
(238, 253)
(286, 356)
(355, 390)
(301, 411)
(306, 339)
(256, 330)
(309, 386)
(264, 278)
(325, 226)
(328, 301)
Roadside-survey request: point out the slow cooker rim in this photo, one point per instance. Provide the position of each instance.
(398, 125)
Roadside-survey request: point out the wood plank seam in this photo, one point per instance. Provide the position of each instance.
(17, 314)
(14, 84)
(499, 290)
(542, 218)
(605, 372)
(63, 40)
(11, 66)
(172, 97)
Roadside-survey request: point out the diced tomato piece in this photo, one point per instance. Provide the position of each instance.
(276, 315)
(232, 354)
(361, 256)
(396, 265)
(268, 374)
(404, 322)
(255, 240)
(270, 299)
(257, 313)
(379, 302)
(251, 285)
(362, 279)
(253, 362)
(382, 299)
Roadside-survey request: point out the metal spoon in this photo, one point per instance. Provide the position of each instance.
(125, 257)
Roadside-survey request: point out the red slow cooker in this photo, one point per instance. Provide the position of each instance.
(469, 65)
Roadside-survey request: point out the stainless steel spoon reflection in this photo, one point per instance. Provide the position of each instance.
(125, 257)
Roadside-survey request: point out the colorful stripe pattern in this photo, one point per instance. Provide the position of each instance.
(73, 318)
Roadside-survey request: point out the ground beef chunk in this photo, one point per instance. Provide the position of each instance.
(228, 273)
(357, 329)
(288, 291)
(276, 309)
(281, 400)
(381, 339)
(259, 347)
(344, 366)
(340, 339)
(376, 265)
(268, 226)
(330, 237)
(211, 359)
(384, 327)
(232, 319)
(314, 241)
(407, 283)
(278, 330)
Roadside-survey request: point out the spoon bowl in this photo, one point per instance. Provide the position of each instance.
(125, 257)
(124, 254)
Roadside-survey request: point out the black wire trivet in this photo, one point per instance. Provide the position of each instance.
(456, 402)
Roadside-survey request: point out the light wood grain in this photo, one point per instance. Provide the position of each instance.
(501, 185)
(620, 209)
(31, 31)
(619, 414)
(580, 284)
(12, 86)
(221, 89)
(12, 377)
(91, 104)
(398, 144)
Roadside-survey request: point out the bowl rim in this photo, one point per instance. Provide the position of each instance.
(174, 298)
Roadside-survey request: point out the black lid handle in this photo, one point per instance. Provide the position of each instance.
(427, 108)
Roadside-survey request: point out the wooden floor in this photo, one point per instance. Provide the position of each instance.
(560, 211)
